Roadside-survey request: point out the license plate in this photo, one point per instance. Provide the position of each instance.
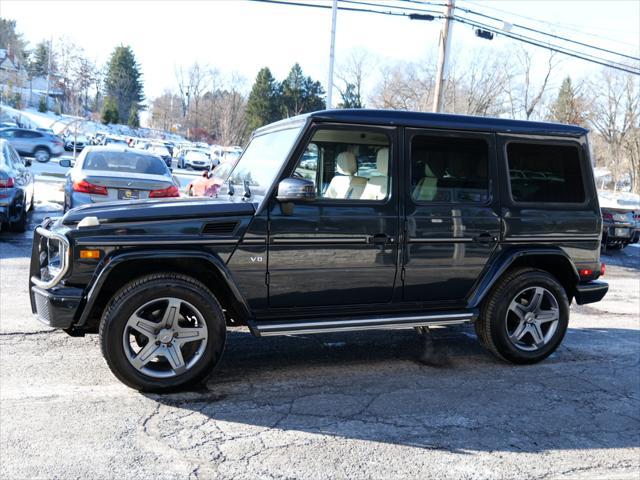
(621, 232)
(127, 194)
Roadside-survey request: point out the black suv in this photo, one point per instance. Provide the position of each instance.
(337, 221)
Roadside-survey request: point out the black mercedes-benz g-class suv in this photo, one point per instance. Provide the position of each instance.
(337, 221)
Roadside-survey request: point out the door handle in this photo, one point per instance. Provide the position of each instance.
(485, 237)
(379, 239)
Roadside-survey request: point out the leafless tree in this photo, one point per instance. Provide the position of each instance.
(351, 73)
(404, 86)
(524, 93)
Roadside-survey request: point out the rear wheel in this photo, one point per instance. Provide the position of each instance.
(525, 317)
(20, 225)
(161, 332)
(42, 155)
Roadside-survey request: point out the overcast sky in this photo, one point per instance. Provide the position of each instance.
(243, 36)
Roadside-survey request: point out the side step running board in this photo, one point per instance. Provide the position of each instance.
(267, 329)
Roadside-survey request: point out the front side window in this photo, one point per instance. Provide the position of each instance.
(347, 164)
(449, 169)
(545, 173)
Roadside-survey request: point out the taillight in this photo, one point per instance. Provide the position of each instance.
(171, 191)
(607, 216)
(7, 182)
(85, 187)
(603, 269)
(586, 272)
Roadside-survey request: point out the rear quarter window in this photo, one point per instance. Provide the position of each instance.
(541, 173)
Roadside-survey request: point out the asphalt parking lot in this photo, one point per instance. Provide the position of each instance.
(327, 406)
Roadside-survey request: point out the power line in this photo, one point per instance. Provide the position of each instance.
(553, 48)
(514, 36)
(388, 5)
(551, 35)
(551, 24)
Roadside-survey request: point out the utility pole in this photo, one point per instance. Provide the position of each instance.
(334, 12)
(443, 57)
(46, 98)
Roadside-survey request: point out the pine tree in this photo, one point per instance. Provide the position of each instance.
(264, 101)
(40, 60)
(350, 97)
(134, 119)
(123, 82)
(301, 94)
(110, 112)
(569, 105)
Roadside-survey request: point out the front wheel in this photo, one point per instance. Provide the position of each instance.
(42, 155)
(525, 317)
(162, 332)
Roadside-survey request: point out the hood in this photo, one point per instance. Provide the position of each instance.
(160, 209)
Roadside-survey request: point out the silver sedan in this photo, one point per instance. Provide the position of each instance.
(113, 173)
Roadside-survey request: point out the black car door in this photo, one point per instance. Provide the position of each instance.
(452, 219)
(340, 249)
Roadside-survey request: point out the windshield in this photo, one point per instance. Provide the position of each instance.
(263, 158)
(196, 155)
(128, 162)
(158, 150)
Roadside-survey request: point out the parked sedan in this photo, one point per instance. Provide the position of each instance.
(160, 150)
(618, 228)
(196, 158)
(31, 143)
(16, 188)
(112, 173)
(77, 142)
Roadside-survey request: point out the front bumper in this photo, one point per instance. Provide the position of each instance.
(57, 306)
(590, 292)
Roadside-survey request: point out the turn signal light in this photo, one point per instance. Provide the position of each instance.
(85, 187)
(171, 191)
(90, 254)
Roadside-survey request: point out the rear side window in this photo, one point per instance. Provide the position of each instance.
(545, 173)
(449, 170)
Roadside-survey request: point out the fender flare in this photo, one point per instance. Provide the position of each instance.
(110, 263)
(504, 260)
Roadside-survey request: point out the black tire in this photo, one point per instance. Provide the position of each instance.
(130, 298)
(42, 155)
(492, 326)
(21, 224)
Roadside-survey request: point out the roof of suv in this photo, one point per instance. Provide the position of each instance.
(435, 120)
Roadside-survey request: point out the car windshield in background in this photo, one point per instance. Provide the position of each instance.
(127, 162)
(195, 155)
(263, 159)
(162, 151)
(114, 141)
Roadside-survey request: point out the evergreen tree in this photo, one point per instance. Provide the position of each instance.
(134, 119)
(39, 64)
(42, 104)
(264, 101)
(123, 82)
(301, 94)
(110, 112)
(11, 39)
(350, 97)
(569, 106)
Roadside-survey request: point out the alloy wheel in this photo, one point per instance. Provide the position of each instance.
(165, 337)
(532, 318)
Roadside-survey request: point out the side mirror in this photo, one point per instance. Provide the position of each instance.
(296, 189)
(205, 174)
(66, 163)
(27, 162)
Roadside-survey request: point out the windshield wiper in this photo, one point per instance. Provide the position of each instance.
(247, 190)
(230, 189)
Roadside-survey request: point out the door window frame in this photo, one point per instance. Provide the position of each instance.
(493, 188)
(392, 134)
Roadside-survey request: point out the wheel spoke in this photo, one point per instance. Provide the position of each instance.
(536, 333)
(174, 355)
(545, 316)
(536, 300)
(146, 327)
(148, 353)
(519, 332)
(186, 335)
(519, 309)
(171, 313)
